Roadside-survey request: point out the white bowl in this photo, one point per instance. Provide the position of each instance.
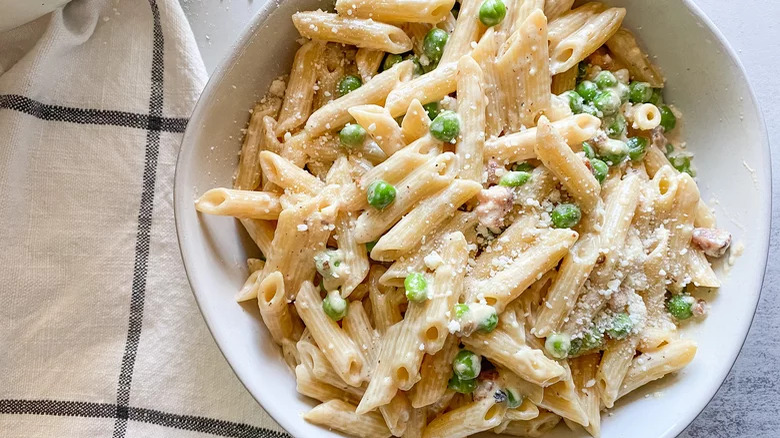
(17, 12)
(723, 125)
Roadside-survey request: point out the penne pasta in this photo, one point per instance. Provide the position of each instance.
(244, 204)
(363, 33)
(299, 96)
(396, 11)
(471, 109)
(624, 47)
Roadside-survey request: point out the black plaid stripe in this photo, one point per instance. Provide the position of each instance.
(85, 116)
(193, 423)
(144, 229)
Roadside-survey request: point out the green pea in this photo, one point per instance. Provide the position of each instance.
(433, 44)
(513, 398)
(462, 386)
(432, 109)
(588, 90)
(416, 287)
(588, 150)
(616, 125)
(668, 119)
(335, 306)
(326, 260)
(455, 9)
(348, 84)
(637, 146)
(640, 92)
(679, 306)
(566, 215)
(657, 98)
(489, 323)
(370, 246)
(446, 126)
(575, 101)
(514, 179)
(669, 149)
(608, 102)
(558, 345)
(460, 310)
(590, 340)
(600, 169)
(525, 166)
(492, 12)
(467, 365)
(682, 163)
(613, 151)
(606, 79)
(380, 194)
(588, 108)
(621, 326)
(352, 135)
(391, 59)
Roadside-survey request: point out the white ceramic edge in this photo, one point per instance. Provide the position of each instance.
(25, 11)
(265, 399)
(704, 397)
(279, 413)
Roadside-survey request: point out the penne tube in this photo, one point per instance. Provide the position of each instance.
(261, 232)
(504, 349)
(523, 269)
(243, 204)
(299, 96)
(562, 399)
(416, 123)
(254, 265)
(464, 222)
(354, 254)
(301, 232)
(358, 327)
(667, 359)
(569, 22)
(625, 49)
(485, 54)
(363, 33)
(308, 385)
(613, 368)
(536, 427)
(368, 62)
(396, 11)
(382, 386)
(654, 160)
(384, 308)
(471, 109)
(423, 220)
(435, 372)
(397, 413)
(288, 176)
(524, 73)
(532, 392)
(429, 178)
(563, 82)
(584, 41)
(378, 123)
(335, 114)
(555, 153)
(519, 146)
(564, 291)
(680, 225)
(274, 309)
(555, 8)
(315, 361)
(249, 289)
(699, 270)
(341, 416)
(583, 370)
(466, 420)
(418, 419)
(248, 176)
(430, 87)
(343, 354)
(466, 32)
(645, 117)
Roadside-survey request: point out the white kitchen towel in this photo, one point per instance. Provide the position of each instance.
(99, 333)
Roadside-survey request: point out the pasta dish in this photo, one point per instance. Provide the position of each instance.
(473, 216)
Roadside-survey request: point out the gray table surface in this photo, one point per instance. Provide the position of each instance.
(748, 403)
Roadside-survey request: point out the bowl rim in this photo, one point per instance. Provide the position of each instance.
(277, 412)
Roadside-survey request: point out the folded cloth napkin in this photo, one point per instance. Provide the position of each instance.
(99, 333)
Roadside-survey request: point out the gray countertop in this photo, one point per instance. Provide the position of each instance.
(747, 404)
